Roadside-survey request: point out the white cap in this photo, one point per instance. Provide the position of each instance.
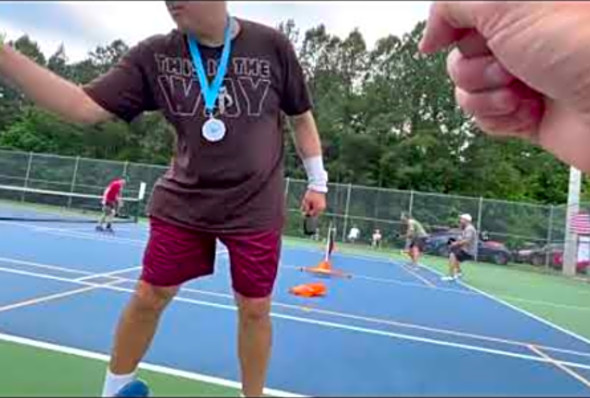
(465, 217)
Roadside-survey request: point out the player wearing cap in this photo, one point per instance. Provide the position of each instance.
(462, 250)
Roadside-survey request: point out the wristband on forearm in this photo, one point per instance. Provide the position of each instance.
(317, 177)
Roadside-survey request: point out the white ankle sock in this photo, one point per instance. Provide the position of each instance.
(113, 382)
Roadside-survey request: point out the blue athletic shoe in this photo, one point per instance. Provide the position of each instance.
(136, 388)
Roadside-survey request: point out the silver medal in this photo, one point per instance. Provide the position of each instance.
(213, 130)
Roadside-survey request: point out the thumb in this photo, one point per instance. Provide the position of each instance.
(448, 22)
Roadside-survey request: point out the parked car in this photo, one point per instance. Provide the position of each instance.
(551, 254)
(488, 250)
(525, 253)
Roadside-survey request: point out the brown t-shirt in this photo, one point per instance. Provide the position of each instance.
(236, 184)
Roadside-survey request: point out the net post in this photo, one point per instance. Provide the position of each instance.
(140, 200)
(73, 182)
(411, 204)
(142, 188)
(329, 238)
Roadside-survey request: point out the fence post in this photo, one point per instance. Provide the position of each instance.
(479, 213)
(28, 172)
(73, 183)
(346, 210)
(549, 236)
(125, 166)
(287, 189)
(411, 205)
(27, 175)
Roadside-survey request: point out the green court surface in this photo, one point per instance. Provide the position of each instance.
(73, 375)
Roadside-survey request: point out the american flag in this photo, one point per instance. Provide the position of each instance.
(580, 224)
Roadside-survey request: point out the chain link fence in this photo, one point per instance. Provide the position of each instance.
(528, 234)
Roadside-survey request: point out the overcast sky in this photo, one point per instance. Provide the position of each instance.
(81, 26)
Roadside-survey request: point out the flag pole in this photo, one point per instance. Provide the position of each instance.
(570, 253)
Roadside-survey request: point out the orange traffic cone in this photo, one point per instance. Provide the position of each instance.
(309, 290)
(324, 268)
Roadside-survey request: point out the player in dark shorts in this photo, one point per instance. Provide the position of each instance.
(416, 238)
(225, 85)
(462, 249)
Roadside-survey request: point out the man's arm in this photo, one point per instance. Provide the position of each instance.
(48, 90)
(464, 242)
(309, 148)
(460, 243)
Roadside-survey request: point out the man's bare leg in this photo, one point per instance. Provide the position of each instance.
(135, 330)
(452, 265)
(254, 342)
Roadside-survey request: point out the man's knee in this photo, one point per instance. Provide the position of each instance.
(253, 309)
(152, 299)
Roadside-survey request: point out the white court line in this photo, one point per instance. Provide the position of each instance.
(111, 273)
(93, 236)
(143, 365)
(415, 274)
(567, 370)
(113, 239)
(46, 266)
(51, 297)
(393, 323)
(518, 309)
(43, 299)
(73, 234)
(545, 303)
(349, 316)
(365, 277)
(321, 323)
(395, 282)
(384, 260)
(466, 292)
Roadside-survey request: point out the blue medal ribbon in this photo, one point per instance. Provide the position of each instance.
(210, 92)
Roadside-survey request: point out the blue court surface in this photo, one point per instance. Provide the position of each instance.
(389, 330)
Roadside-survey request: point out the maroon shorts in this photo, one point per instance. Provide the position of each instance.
(175, 255)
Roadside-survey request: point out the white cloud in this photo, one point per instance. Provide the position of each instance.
(128, 20)
(76, 49)
(105, 21)
(375, 19)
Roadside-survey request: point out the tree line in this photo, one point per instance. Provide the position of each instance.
(387, 118)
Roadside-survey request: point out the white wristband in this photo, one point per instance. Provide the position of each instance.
(317, 177)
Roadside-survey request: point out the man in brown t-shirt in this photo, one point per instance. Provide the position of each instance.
(225, 181)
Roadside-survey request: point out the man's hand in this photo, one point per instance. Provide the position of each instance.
(458, 243)
(520, 69)
(313, 203)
